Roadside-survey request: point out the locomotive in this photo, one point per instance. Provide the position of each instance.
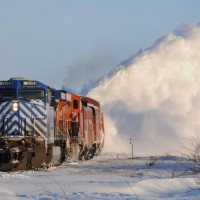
(41, 126)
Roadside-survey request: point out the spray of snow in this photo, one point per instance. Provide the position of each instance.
(155, 98)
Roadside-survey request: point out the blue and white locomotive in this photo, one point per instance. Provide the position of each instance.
(33, 133)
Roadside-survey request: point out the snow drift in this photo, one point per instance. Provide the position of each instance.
(154, 98)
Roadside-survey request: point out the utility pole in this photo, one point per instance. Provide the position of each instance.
(131, 147)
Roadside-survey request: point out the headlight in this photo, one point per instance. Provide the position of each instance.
(15, 106)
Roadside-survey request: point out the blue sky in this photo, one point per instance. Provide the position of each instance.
(75, 42)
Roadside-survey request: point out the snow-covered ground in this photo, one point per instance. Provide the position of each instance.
(109, 176)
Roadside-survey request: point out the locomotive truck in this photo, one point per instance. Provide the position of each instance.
(41, 126)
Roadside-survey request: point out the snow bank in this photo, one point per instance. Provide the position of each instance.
(7, 194)
(155, 98)
(164, 187)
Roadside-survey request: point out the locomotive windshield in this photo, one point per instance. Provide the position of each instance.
(7, 93)
(31, 94)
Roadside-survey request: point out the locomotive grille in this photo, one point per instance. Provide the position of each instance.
(22, 122)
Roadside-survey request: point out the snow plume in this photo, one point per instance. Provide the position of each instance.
(155, 98)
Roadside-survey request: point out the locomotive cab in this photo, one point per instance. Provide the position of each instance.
(22, 105)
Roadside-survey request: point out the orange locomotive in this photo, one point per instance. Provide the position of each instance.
(79, 121)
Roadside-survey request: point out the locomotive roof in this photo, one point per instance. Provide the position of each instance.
(23, 82)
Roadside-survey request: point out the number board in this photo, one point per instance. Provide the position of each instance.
(5, 83)
(29, 83)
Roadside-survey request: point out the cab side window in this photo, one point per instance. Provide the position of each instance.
(51, 98)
